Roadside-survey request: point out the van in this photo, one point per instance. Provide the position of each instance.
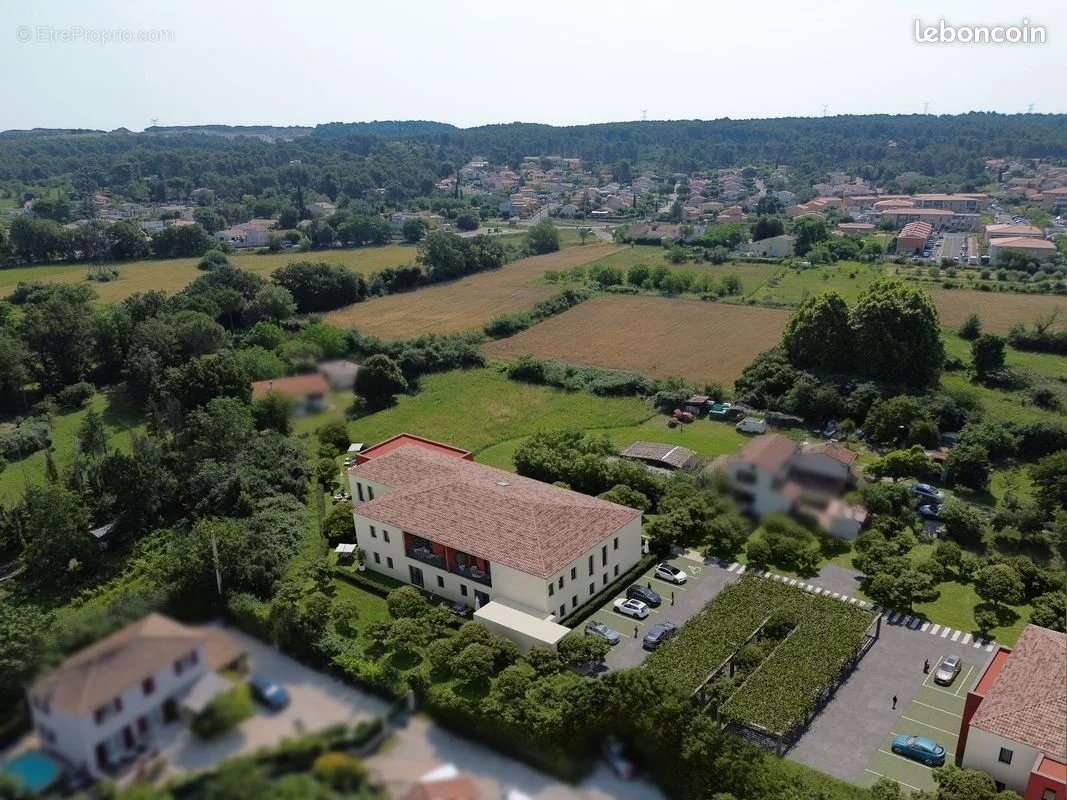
(751, 425)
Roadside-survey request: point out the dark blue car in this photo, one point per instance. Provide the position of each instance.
(919, 748)
(268, 692)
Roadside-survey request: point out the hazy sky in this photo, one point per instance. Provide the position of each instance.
(470, 62)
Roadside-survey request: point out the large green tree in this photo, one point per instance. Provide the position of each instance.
(897, 334)
(818, 334)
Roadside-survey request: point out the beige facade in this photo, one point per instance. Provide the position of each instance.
(1006, 761)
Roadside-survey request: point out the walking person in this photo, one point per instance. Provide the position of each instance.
(926, 666)
(894, 702)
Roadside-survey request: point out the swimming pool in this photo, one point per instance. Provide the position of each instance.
(33, 770)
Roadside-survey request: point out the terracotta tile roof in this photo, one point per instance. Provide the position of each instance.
(295, 386)
(770, 451)
(461, 787)
(102, 671)
(393, 442)
(1027, 701)
(1023, 242)
(833, 450)
(530, 526)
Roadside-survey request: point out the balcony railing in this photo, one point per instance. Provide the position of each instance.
(427, 556)
(474, 573)
(448, 559)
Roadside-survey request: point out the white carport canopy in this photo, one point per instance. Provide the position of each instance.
(522, 627)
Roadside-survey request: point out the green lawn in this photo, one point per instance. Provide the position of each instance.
(121, 419)
(752, 276)
(955, 608)
(478, 408)
(848, 278)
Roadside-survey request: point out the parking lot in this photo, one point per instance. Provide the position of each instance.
(934, 713)
(704, 582)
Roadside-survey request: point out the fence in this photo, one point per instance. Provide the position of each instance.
(702, 693)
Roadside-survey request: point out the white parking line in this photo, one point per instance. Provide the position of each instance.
(989, 647)
(945, 632)
(741, 569)
(956, 635)
(934, 630)
(732, 567)
(925, 626)
(966, 638)
(905, 785)
(935, 708)
(933, 727)
(963, 683)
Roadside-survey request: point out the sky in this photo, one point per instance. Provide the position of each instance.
(470, 62)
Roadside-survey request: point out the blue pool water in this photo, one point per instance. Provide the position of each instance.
(33, 770)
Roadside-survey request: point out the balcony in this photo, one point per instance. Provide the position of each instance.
(448, 559)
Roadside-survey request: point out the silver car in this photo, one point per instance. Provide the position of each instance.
(608, 634)
(947, 670)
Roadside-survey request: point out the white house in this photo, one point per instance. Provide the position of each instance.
(426, 514)
(1015, 718)
(104, 705)
(772, 474)
(772, 247)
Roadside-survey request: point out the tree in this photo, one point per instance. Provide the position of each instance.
(414, 229)
(1050, 481)
(55, 528)
(335, 434)
(968, 465)
(767, 227)
(197, 381)
(625, 496)
(583, 651)
(406, 636)
(893, 420)
(320, 286)
(987, 354)
(406, 601)
(1050, 611)
(378, 381)
(897, 334)
(971, 328)
(897, 464)
(128, 242)
(92, 436)
(474, 663)
(543, 238)
(272, 412)
(271, 303)
(14, 371)
(58, 329)
(963, 522)
(818, 334)
(954, 783)
(218, 429)
(809, 232)
(584, 233)
(999, 584)
(467, 221)
(341, 771)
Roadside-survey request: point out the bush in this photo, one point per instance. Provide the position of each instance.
(340, 771)
(29, 437)
(212, 259)
(971, 328)
(76, 395)
(223, 713)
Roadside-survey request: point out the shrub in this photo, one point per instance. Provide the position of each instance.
(76, 395)
(212, 259)
(32, 435)
(406, 601)
(223, 713)
(340, 771)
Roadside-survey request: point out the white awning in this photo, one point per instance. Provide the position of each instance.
(344, 549)
(519, 625)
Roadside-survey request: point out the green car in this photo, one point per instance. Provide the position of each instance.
(919, 748)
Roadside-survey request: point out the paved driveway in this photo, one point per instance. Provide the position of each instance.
(421, 747)
(705, 581)
(317, 701)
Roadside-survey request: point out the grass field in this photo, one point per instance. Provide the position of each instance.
(477, 408)
(848, 278)
(120, 419)
(656, 336)
(752, 276)
(466, 303)
(997, 310)
(173, 275)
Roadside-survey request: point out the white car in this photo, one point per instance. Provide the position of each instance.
(670, 573)
(631, 608)
(751, 425)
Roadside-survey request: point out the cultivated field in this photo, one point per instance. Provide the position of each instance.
(656, 336)
(467, 303)
(997, 310)
(174, 274)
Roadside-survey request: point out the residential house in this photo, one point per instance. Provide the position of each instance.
(1012, 230)
(106, 704)
(321, 209)
(663, 457)
(772, 474)
(772, 247)
(1014, 720)
(855, 228)
(428, 515)
(339, 373)
(307, 392)
(254, 233)
(913, 237)
(1040, 248)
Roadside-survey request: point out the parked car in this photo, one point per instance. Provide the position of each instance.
(930, 511)
(615, 755)
(947, 670)
(631, 608)
(670, 573)
(268, 692)
(658, 634)
(608, 634)
(919, 748)
(751, 425)
(645, 595)
(925, 490)
(719, 410)
(683, 416)
(349, 461)
(461, 610)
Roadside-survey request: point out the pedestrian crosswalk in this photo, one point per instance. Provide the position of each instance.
(892, 617)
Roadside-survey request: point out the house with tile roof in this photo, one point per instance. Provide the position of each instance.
(104, 706)
(307, 392)
(1014, 723)
(775, 475)
(426, 514)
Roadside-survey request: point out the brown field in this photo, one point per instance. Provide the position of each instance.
(656, 336)
(467, 303)
(997, 310)
(174, 274)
